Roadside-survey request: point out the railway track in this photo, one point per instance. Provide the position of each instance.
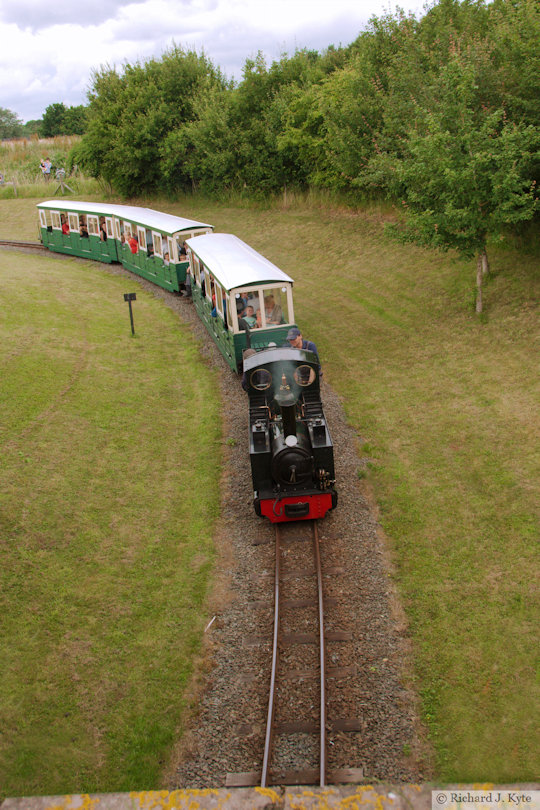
(295, 744)
(12, 243)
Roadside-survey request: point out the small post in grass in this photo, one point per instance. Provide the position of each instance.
(129, 297)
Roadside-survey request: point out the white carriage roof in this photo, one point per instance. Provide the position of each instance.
(233, 262)
(155, 220)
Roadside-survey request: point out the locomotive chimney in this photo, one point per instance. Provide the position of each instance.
(288, 414)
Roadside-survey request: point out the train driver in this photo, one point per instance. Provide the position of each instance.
(296, 341)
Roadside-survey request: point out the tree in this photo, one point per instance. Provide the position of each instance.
(32, 127)
(131, 114)
(468, 170)
(10, 124)
(53, 120)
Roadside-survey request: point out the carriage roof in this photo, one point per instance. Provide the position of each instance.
(233, 262)
(147, 217)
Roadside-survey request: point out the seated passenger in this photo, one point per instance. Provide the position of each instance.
(133, 243)
(249, 316)
(166, 260)
(65, 226)
(102, 229)
(273, 312)
(83, 229)
(183, 249)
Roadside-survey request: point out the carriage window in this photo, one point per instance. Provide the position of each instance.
(171, 247)
(117, 229)
(127, 229)
(73, 222)
(276, 311)
(248, 307)
(219, 299)
(109, 227)
(93, 225)
(196, 268)
(158, 247)
(142, 238)
(56, 223)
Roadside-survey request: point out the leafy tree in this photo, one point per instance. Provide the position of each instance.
(61, 120)
(53, 120)
(32, 127)
(467, 174)
(10, 124)
(131, 115)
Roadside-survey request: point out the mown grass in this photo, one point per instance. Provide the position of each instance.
(445, 407)
(108, 497)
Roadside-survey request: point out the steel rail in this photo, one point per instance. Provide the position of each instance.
(271, 699)
(322, 656)
(18, 244)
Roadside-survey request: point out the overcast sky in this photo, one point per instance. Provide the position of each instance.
(48, 49)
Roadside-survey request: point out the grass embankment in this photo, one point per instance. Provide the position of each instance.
(446, 408)
(447, 411)
(108, 495)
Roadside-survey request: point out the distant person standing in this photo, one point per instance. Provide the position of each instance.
(46, 167)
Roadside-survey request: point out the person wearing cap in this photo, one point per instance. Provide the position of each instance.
(296, 341)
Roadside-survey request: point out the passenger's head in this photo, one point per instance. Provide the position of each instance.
(250, 310)
(269, 300)
(248, 353)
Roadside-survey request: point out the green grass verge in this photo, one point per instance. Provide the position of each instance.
(108, 498)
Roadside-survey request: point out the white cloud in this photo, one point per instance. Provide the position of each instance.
(49, 51)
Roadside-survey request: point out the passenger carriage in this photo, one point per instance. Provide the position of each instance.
(243, 299)
(103, 231)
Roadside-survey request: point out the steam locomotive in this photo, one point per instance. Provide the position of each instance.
(290, 448)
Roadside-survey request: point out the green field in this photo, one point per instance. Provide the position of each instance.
(107, 509)
(446, 409)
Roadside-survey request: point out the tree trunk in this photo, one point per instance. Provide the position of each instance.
(485, 263)
(479, 274)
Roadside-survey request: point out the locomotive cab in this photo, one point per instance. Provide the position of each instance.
(291, 451)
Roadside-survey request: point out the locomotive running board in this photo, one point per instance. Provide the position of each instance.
(342, 776)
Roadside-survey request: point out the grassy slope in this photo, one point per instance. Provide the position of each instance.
(107, 506)
(446, 410)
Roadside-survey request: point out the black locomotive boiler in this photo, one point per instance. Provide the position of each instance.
(291, 451)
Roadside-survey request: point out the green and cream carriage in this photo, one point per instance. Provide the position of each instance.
(102, 231)
(242, 298)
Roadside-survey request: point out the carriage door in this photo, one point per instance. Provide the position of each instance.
(43, 226)
(111, 244)
(118, 237)
(74, 238)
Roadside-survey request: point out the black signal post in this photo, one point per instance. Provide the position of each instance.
(129, 297)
